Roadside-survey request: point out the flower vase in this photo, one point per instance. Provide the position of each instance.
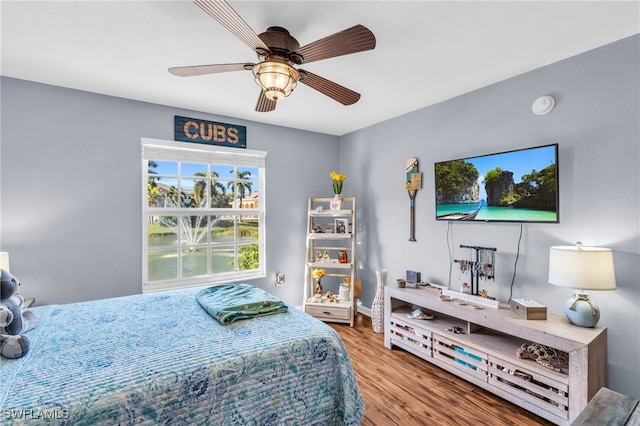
(318, 290)
(336, 202)
(377, 308)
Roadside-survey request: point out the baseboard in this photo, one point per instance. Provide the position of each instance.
(364, 310)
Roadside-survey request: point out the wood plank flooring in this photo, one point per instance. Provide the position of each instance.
(401, 389)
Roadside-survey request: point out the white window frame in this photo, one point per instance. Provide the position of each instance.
(164, 150)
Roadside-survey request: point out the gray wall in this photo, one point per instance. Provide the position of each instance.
(596, 124)
(70, 201)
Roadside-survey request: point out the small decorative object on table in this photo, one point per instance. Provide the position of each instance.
(332, 297)
(546, 356)
(343, 257)
(317, 275)
(377, 307)
(336, 203)
(338, 179)
(342, 226)
(345, 292)
(529, 309)
(418, 314)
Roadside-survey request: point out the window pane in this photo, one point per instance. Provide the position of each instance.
(222, 229)
(222, 259)
(167, 192)
(193, 230)
(193, 193)
(163, 265)
(201, 192)
(248, 229)
(227, 186)
(154, 197)
(189, 169)
(223, 171)
(219, 196)
(249, 202)
(247, 172)
(162, 231)
(244, 187)
(194, 262)
(249, 257)
(167, 168)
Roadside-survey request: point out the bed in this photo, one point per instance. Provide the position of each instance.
(160, 358)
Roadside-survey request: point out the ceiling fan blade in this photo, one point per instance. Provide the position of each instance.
(265, 104)
(193, 70)
(229, 18)
(352, 40)
(333, 90)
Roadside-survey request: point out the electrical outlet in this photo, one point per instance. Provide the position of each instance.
(279, 279)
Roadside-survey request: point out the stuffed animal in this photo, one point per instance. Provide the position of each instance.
(13, 320)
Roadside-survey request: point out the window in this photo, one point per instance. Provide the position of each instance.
(203, 214)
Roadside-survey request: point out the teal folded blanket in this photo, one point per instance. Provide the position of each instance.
(231, 302)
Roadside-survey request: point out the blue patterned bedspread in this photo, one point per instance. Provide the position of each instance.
(159, 358)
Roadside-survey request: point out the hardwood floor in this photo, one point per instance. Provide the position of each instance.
(401, 389)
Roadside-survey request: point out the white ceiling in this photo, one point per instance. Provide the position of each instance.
(426, 51)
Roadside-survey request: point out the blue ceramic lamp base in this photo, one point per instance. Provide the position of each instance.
(581, 310)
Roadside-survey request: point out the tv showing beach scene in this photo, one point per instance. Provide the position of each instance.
(513, 186)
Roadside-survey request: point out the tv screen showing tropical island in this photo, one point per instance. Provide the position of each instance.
(514, 186)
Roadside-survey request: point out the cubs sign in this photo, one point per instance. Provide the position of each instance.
(209, 132)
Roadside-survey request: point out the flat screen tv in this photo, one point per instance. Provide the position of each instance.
(513, 186)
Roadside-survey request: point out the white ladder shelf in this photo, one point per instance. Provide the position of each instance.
(328, 233)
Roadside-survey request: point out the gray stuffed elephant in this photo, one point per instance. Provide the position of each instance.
(13, 319)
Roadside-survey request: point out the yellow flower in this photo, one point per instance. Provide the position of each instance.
(317, 273)
(337, 176)
(337, 179)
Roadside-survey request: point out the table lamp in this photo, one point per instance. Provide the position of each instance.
(583, 268)
(4, 260)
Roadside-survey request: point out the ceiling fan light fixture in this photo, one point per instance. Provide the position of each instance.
(276, 79)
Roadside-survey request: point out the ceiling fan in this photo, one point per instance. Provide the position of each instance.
(278, 52)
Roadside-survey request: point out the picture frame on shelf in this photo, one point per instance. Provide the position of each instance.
(342, 226)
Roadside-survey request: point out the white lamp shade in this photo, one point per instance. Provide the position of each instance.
(4, 261)
(586, 268)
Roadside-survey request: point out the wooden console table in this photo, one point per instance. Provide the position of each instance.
(483, 350)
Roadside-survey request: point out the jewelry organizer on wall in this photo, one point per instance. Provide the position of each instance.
(480, 264)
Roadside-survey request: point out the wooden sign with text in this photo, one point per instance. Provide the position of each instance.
(209, 132)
